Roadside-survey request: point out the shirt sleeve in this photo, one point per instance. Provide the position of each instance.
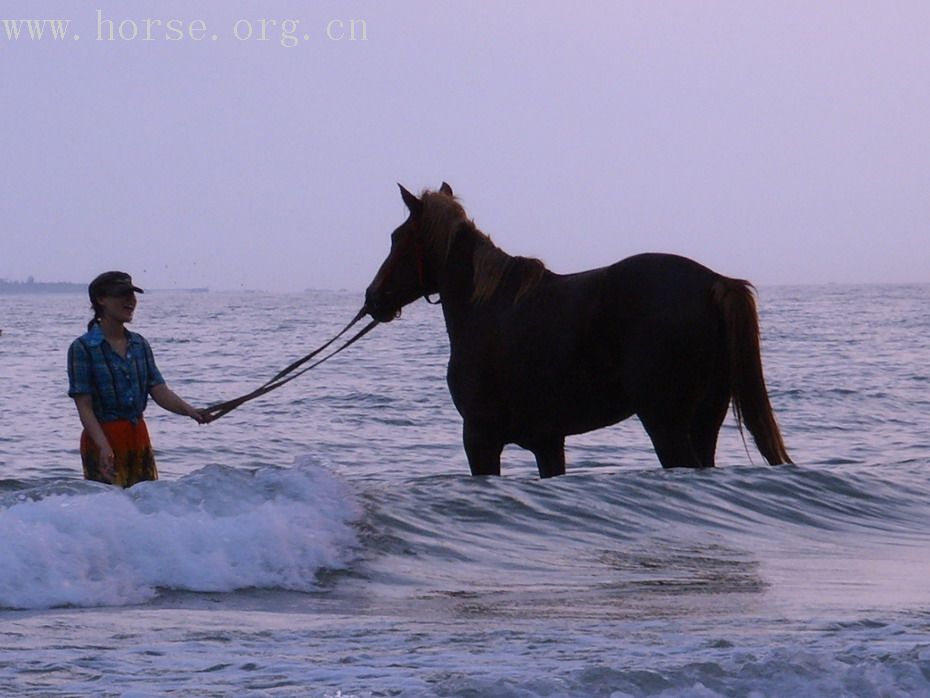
(79, 370)
(155, 377)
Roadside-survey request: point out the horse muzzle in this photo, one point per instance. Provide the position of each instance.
(380, 308)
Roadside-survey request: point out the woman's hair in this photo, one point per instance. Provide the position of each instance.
(98, 312)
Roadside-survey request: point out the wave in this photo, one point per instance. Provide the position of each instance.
(627, 503)
(219, 529)
(850, 671)
(576, 544)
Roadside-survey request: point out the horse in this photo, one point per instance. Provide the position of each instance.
(537, 356)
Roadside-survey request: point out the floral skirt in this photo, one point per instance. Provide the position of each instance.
(134, 460)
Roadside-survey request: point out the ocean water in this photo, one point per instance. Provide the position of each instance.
(327, 540)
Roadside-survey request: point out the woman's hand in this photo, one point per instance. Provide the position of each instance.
(108, 462)
(106, 458)
(198, 415)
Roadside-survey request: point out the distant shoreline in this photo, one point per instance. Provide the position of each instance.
(31, 286)
(22, 287)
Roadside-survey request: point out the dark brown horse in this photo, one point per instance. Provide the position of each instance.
(538, 356)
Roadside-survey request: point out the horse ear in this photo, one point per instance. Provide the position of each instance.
(413, 203)
(446, 189)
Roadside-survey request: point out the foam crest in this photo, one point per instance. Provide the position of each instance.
(216, 530)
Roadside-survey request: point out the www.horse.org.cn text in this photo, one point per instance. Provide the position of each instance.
(288, 33)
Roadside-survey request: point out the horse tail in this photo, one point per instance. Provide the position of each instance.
(736, 301)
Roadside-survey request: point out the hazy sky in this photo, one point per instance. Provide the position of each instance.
(779, 141)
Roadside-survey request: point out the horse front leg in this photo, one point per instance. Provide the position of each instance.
(483, 451)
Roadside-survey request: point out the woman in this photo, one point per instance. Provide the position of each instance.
(111, 373)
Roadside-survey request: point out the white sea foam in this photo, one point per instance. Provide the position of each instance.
(218, 529)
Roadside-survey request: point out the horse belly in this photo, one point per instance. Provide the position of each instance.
(567, 384)
(533, 393)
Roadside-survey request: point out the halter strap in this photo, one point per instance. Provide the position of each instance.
(420, 255)
(415, 241)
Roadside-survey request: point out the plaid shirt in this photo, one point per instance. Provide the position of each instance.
(119, 386)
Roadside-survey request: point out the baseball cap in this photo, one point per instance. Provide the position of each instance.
(111, 283)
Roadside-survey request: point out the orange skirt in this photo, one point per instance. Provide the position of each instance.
(134, 461)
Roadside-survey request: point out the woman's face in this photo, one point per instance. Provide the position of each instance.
(118, 307)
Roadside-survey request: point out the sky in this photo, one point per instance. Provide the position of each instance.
(784, 142)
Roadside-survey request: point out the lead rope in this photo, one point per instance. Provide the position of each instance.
(214, 412)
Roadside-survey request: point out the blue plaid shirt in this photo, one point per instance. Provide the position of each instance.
(119, 386)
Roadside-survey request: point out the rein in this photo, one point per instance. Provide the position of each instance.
(214, 412)
(286, 375)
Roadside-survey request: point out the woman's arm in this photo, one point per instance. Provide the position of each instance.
(85, 408)
(166, 398)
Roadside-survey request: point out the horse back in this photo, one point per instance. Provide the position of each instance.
(658, 313)
(653, 293)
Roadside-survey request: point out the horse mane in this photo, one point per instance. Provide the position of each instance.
(443, 218)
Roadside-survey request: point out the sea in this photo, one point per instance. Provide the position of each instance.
(327, 539)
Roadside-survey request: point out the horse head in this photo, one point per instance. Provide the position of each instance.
(410, 269)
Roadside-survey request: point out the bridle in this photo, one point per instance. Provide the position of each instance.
(420, 256)
(414, 240)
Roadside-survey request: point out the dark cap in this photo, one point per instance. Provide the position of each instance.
(111, 283)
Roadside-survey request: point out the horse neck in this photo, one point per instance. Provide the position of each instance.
(457, 275)
(468, 302)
